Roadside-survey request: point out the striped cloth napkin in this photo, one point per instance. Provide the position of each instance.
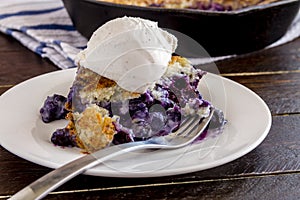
(44, 27)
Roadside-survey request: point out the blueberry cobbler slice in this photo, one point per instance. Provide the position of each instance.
(101, 113)
(128, 87)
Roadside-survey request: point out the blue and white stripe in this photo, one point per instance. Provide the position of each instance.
(44, 27)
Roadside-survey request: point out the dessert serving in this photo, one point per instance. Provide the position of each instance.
(215, 5)
(128, 87)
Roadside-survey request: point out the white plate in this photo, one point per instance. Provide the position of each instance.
(24, 134)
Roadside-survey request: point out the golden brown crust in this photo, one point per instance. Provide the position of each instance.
(92, 87)
(183, 61)
(72, 130)
(95, 129)
(183, 4)
(105, 82)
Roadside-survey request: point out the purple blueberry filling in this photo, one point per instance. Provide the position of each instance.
(146, 117)
(155, 115)
(157, 112)
(211, 6)
(53, 108)
(62, 137)
(199, 5)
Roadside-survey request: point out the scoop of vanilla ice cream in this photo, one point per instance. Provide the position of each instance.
(133, 52)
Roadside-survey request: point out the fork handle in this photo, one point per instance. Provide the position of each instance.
(47, 183)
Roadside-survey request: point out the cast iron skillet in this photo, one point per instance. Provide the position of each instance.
(220, 33)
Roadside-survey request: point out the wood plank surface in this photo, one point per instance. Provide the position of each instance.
(280, 91)
(278, 59)
(262, 187)
(271, 171)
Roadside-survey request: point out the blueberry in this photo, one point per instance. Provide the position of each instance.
(54, 108)
(123, 135)
(62, 137)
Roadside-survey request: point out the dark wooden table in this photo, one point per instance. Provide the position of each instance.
(271, 171)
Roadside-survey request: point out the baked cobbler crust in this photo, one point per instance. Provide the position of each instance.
(94, 128)
(184, 4)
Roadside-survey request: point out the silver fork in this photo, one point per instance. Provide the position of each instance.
(189, 130)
